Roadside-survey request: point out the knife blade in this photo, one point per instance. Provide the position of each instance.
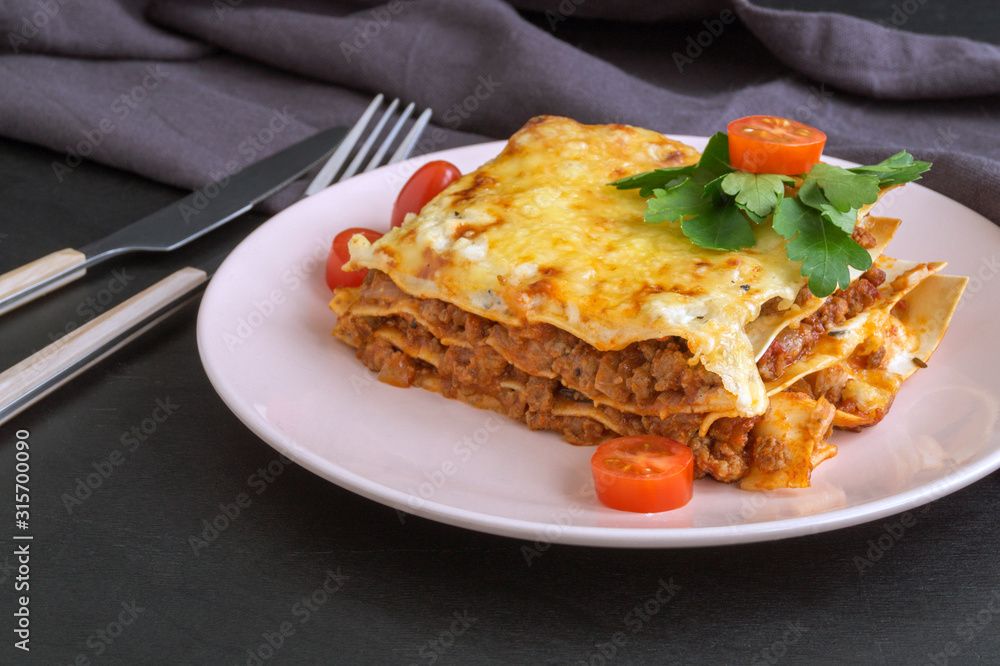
(175, 225)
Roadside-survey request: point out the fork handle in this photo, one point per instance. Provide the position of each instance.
(46, 370)
(21, 279)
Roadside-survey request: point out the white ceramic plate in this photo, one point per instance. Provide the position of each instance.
(264, 337)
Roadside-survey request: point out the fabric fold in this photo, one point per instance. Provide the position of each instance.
(864, 58)
(173, 90)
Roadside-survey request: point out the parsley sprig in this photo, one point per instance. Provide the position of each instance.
(717, 204)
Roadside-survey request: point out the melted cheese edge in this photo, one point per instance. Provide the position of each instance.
(536, 235)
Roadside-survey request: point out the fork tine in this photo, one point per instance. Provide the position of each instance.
(384, 148)
(367, 145)
(410, 141)
(329, 172)
(332, 166)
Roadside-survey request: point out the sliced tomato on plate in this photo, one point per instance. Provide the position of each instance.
(645, 474)
(424, 185)
(769, 144)
(336, 276)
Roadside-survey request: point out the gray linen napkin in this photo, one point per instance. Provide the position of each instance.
(175, 90)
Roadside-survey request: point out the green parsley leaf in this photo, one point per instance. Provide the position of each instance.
(757, 193)
(714, 160)
(899, 160)
(658, 178)
(706, 214)
(790, 216)
(812, 196)
(824, 249)
(679, 202)
(721, 227)
(844, 189)
(713, 188)
(895, 170)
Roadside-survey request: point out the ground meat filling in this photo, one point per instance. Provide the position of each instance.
(653, 376)
(551, 380)
(554, 380)
(792, 343)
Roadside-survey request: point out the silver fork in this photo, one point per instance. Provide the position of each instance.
(329, 171)
(46, 370)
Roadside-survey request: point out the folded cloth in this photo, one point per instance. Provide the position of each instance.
(177, 90)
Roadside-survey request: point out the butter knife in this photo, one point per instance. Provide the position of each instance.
(175, 225)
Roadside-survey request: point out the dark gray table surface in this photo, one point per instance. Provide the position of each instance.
(116, 579)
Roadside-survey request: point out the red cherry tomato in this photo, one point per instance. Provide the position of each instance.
(768, 144)
(643, 474)
(336, 276)
(423, 186)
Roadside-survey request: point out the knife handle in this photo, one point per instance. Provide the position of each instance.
(40, 270)
(44, 371)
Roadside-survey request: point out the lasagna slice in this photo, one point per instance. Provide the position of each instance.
(531, 288)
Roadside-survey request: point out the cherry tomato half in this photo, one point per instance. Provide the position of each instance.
(423, 186)
(336, 276)
(643, 474)
(768, 144)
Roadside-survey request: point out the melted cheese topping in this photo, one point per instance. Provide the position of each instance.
(537, 235)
